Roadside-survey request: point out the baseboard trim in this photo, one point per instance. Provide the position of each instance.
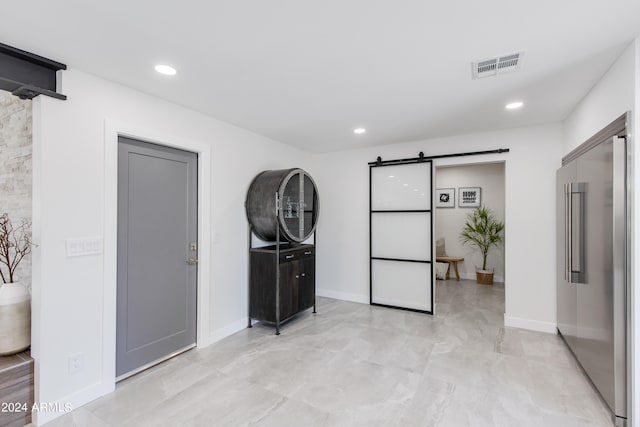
(223, 332)
(532, 325)
(52, 410)
(344, 296)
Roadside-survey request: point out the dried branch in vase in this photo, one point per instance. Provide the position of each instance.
(15, 244)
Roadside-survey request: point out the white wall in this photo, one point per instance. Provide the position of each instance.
(635, 251)
(69, 201)
(611, 97)
(343, 230)
(617, 92)
(450, 221)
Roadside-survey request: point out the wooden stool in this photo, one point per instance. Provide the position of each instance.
(452, 260)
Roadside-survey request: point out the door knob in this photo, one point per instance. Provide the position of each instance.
(192, 261)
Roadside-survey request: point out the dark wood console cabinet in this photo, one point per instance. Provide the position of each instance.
(295, 286)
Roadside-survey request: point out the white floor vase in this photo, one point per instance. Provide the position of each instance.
(15, 318)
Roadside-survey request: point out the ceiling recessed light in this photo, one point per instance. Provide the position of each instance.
(165, 69)
(392, 176)
(513, 105)
(359, 131)
(406, 185)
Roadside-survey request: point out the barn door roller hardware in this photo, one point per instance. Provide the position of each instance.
(27, 75)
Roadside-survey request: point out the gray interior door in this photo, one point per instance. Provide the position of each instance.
(157, 254)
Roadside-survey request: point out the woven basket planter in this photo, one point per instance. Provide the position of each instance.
(484, 277)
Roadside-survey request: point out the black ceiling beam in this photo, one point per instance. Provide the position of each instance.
(27, 75)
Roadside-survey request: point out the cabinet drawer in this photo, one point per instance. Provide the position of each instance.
(289, 256)
(296, 255)
(308, 252)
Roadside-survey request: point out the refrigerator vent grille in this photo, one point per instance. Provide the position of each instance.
(493, 66)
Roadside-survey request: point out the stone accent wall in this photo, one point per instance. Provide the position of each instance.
(16, 166)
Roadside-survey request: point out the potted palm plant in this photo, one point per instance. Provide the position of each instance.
(483, 231)
(15, 299)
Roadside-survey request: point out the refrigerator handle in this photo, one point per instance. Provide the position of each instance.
(565, 188)
(569, 232)
(579, 275)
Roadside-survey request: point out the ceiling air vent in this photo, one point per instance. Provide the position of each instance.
(499, 65)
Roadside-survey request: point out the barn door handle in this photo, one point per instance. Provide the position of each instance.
(192, 261)
(289, 256)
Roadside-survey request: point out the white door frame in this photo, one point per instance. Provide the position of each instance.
(114, 129)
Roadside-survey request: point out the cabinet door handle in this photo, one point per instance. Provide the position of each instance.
(192, 261)
(289, 256)
(297, 277)
(307, 253)
(302, 275)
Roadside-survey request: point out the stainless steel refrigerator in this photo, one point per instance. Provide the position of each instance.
(592, 264)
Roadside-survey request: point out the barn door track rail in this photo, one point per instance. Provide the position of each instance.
(421, 157)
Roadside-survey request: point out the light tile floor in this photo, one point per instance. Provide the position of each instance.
(356, 365)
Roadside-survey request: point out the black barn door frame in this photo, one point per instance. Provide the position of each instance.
(371, 212)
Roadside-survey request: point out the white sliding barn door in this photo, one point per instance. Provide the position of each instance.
(401, 235)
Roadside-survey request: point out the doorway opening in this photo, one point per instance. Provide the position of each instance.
(113, 131)
(465, 188)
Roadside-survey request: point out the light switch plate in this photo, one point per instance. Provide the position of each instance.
(84, 246)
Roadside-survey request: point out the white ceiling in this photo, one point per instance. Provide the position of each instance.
(306, 73)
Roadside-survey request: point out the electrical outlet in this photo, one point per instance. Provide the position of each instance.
(76, 362)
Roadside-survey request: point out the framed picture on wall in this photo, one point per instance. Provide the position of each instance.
(468, 197)
(445, 198)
